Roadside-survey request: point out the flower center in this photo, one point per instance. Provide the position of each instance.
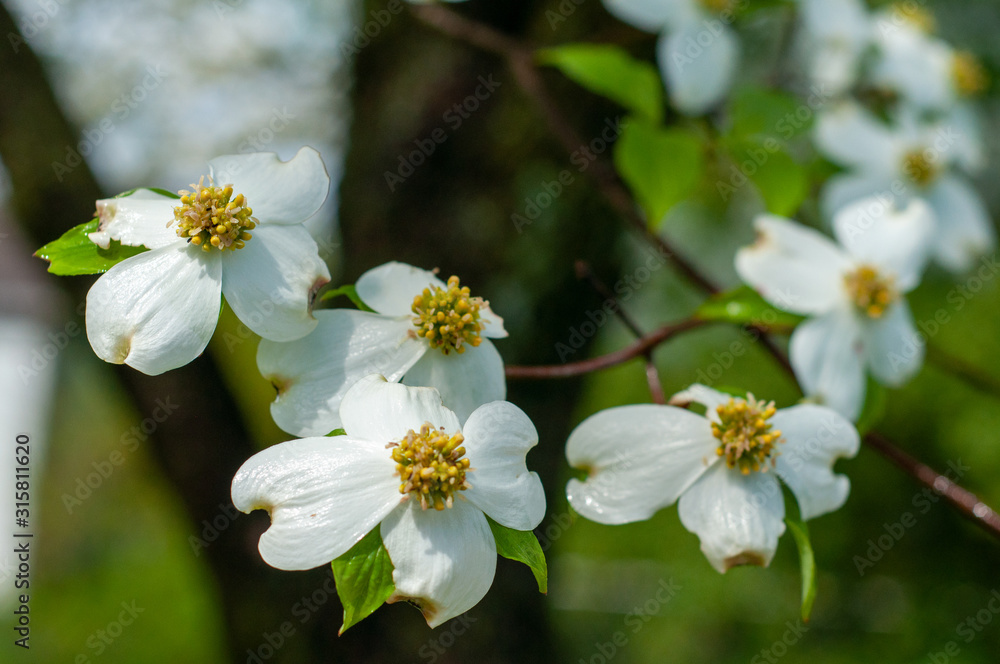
(746, 437)
(918, 17)
(211, 217)
(448, 317)
(969, 74)
(717, 6)
(919, 168)
(430, 465)
(871, 292)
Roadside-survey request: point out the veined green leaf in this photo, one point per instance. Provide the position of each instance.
(364, 578)
(74, 253)
(522, 546)
(807, 562)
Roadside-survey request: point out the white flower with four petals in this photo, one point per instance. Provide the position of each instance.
(722, 469)
(158, 310)
(313, 374)
(853, 294)
(325, 494)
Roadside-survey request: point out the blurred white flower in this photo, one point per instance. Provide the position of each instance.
(722, 468)
(908, 160)
(698, 53)
(424, 331)
(404, 453)
(853, 294)
(920, 68)
(837, 34)
(158, 310)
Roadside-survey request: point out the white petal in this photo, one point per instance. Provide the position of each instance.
(846, 188)
(814, 437)
(324, 495)
(839, 32)
(965, 124)
(139, 220)
(492, 324)
(497, 438)
(896, 241)
(272, 281)
(828, 357)
(312, 374)
(155, 311)
(389, 289)
(917, 68)
(737, 517)
(640, 458)
(964, 229)
(443, 561)
(652, 15)
(698, 77)
(466, 381)
(706, 396)
(851, 136)
(279, 192)
(794, 267)
(893, 348)
(375, 409)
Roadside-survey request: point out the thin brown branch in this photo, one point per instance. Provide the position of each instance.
(631, 352)
(521, 59)
(961, 499)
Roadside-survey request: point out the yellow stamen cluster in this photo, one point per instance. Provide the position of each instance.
(211, 217)
(448, 317)
(717, 6)
(431, 466)
(746, 437)
(871, 292)
(920, 18)
(969, 74)
(919, 168)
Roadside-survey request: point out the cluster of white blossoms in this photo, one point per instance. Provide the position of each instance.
(903, 125)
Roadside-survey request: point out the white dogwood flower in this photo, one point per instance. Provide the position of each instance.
(239, 235)
(853, 294)
(722, 468)
(920, 68)
(698, 53)
(909, 160)
(836, 34)
(407, 467)
(425, 332)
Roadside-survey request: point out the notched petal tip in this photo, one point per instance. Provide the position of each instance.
(743, 559)
(429, 609)
(314, 290)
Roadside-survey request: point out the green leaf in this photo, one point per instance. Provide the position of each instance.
(351, 293)
(522, 546)
(807, 562)
(874, 408)
(610, 72)
(161, 192)
(337, 432)
(745, 306)
(74, 253)
(782, 182)
(757, 114)
(364, 579)
(660, 166)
